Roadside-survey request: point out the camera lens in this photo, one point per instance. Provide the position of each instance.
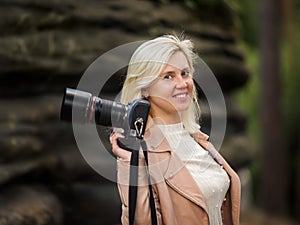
(82, 107)
(76, 100)
(109, 113)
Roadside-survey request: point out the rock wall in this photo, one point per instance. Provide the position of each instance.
(46, 46)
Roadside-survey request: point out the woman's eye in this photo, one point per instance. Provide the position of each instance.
(185, 73)
(168, 77)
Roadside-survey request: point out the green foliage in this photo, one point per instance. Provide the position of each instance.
(291, 70)
(248, 98)
(291, 94)
(248, 21)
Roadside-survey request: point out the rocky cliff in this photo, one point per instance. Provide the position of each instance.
(46, 46)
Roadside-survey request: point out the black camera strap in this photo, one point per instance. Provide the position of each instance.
(151, 197)
(133, 145)
(134, 161)
(133, 182)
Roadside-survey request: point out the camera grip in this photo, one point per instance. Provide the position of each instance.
(129, 143)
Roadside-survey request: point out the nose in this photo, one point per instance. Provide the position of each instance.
(181, 83)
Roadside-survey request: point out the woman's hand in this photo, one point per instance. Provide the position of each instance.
(120, 153)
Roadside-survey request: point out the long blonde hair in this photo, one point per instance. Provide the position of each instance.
(148, 62)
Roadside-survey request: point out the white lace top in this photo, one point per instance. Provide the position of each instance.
(211, 178)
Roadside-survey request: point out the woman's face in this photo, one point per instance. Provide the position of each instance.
(171, 93)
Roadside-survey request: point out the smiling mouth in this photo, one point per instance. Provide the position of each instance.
(180, 95)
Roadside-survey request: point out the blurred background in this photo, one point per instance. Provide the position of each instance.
(251, 46)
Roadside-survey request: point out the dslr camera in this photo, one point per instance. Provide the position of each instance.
(84, 108)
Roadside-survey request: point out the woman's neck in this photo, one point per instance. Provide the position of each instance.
(166, 119)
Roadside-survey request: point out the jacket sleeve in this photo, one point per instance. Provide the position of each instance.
(142, 212)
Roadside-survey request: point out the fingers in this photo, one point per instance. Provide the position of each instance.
(118, 152)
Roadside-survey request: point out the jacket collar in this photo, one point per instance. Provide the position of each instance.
(156, 140)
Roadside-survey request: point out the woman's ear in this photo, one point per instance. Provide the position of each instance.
(145, 93)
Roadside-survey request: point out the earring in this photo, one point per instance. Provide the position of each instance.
(146, 95)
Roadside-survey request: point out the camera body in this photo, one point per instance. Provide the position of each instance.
(84, 108)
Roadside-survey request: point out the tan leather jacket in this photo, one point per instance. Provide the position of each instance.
(178, 199)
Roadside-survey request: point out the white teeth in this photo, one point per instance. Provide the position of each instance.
(180, 96)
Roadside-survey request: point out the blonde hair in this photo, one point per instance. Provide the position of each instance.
(148, 62)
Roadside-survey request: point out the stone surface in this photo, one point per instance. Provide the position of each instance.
(46, 46)
(28, 205)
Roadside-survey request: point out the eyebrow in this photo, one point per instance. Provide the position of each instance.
(186, 68)
(172, 71)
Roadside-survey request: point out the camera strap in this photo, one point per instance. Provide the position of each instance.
(134, 161)
(151, 197)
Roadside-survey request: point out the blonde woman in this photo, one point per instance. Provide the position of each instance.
(191, 182)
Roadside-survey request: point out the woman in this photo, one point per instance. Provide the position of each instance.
(191, 182)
